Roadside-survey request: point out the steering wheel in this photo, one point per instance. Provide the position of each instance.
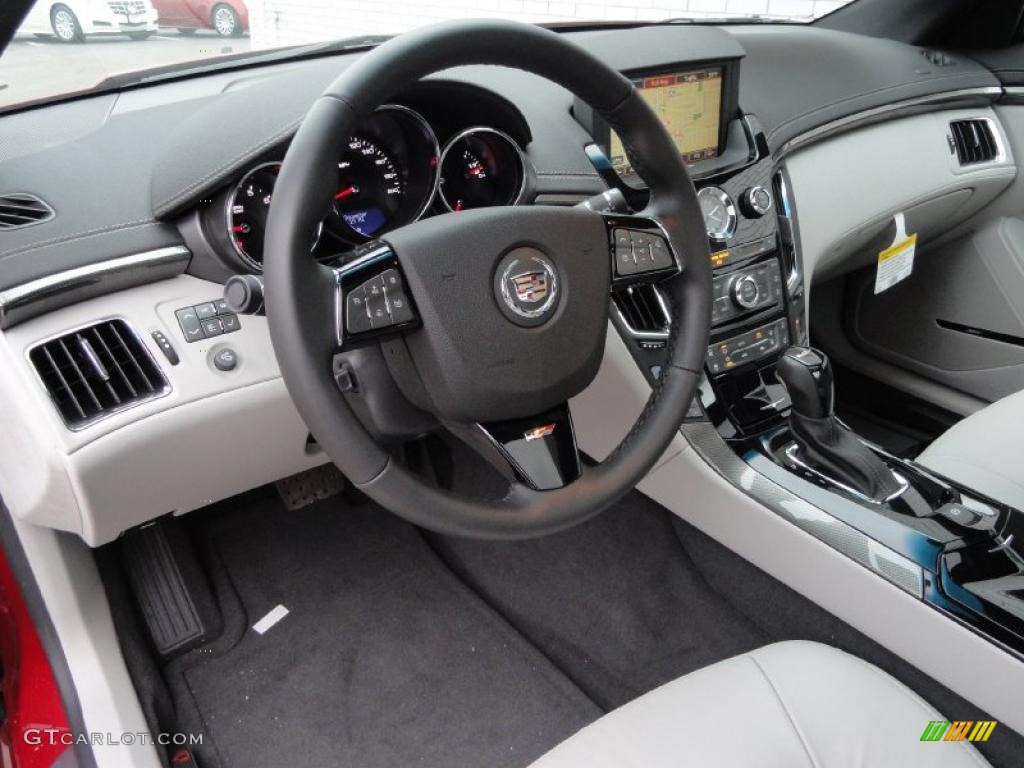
(487, 321)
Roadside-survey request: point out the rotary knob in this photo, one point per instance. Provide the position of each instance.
(756, 201)
(244, 294)
(745, 292)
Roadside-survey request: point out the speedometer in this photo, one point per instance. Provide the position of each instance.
(387, 175)
(370, 187)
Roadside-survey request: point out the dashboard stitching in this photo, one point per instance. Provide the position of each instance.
(79, 236)
(168, 204)
(775, 130)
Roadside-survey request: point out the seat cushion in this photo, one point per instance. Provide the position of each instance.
(984, 451)
(787, 705)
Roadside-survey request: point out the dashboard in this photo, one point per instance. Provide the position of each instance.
(396, 168)
(160, 194)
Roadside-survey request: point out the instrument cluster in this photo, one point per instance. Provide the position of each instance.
(393, 171)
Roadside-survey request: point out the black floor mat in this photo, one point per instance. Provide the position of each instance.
(615, 603)
(384, 659)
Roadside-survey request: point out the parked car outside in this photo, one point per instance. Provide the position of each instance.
(228, 18)
(71, 21)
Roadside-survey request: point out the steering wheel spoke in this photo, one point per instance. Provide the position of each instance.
(640, 250)
(540, 450)
(371, 297)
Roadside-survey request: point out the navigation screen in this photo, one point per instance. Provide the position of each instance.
(690, 106)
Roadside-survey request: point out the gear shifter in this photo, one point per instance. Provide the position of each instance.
(825, 444)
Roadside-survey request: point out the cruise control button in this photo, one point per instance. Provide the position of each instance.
(356, 318)
(376, 302)
(225, 359)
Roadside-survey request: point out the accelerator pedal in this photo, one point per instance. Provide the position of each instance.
(170, 586)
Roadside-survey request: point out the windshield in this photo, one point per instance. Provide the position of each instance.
(68, 46)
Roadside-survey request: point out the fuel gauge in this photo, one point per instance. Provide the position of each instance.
(481, 167)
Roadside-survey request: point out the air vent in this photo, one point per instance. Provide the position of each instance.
(96, 371)
(643, 311)
(973, 141)
(939, 58)
(20, 209)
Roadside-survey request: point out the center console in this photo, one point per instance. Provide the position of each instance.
(948, 546)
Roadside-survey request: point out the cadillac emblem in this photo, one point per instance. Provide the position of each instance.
(526, 286)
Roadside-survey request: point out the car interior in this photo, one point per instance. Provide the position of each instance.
(605, 394)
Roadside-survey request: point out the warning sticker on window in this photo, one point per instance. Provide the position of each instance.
(896, 262)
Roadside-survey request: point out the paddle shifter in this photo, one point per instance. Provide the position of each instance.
(822, 443)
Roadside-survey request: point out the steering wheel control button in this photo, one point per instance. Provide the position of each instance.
(357, 320)
(224, 359)
(205, 311)
(639, 250)
(526, 287)
(377, 303)
(165, 346)
(398, 302)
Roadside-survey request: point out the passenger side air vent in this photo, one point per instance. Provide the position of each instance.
(973, 141)
(643, 311)
(20, 209)
(939, 58)
(96, 371)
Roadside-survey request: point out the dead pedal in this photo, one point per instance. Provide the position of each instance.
(313, 485)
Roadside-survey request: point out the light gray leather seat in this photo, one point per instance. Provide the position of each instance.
(985, 451)
(789, 705)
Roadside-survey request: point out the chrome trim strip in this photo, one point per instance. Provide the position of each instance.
(163, 391)
(792, 454)
(868, 116)
(880, 559)
(44, 287)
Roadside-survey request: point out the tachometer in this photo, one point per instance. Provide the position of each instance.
(248, 206)
(481, 167)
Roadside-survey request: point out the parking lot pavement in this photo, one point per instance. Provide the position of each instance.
(33, 68)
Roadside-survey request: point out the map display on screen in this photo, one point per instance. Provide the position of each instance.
(690, 106)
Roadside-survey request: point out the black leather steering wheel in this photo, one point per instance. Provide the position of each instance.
(501, 313)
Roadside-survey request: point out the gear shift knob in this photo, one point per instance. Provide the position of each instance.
(807, 375)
